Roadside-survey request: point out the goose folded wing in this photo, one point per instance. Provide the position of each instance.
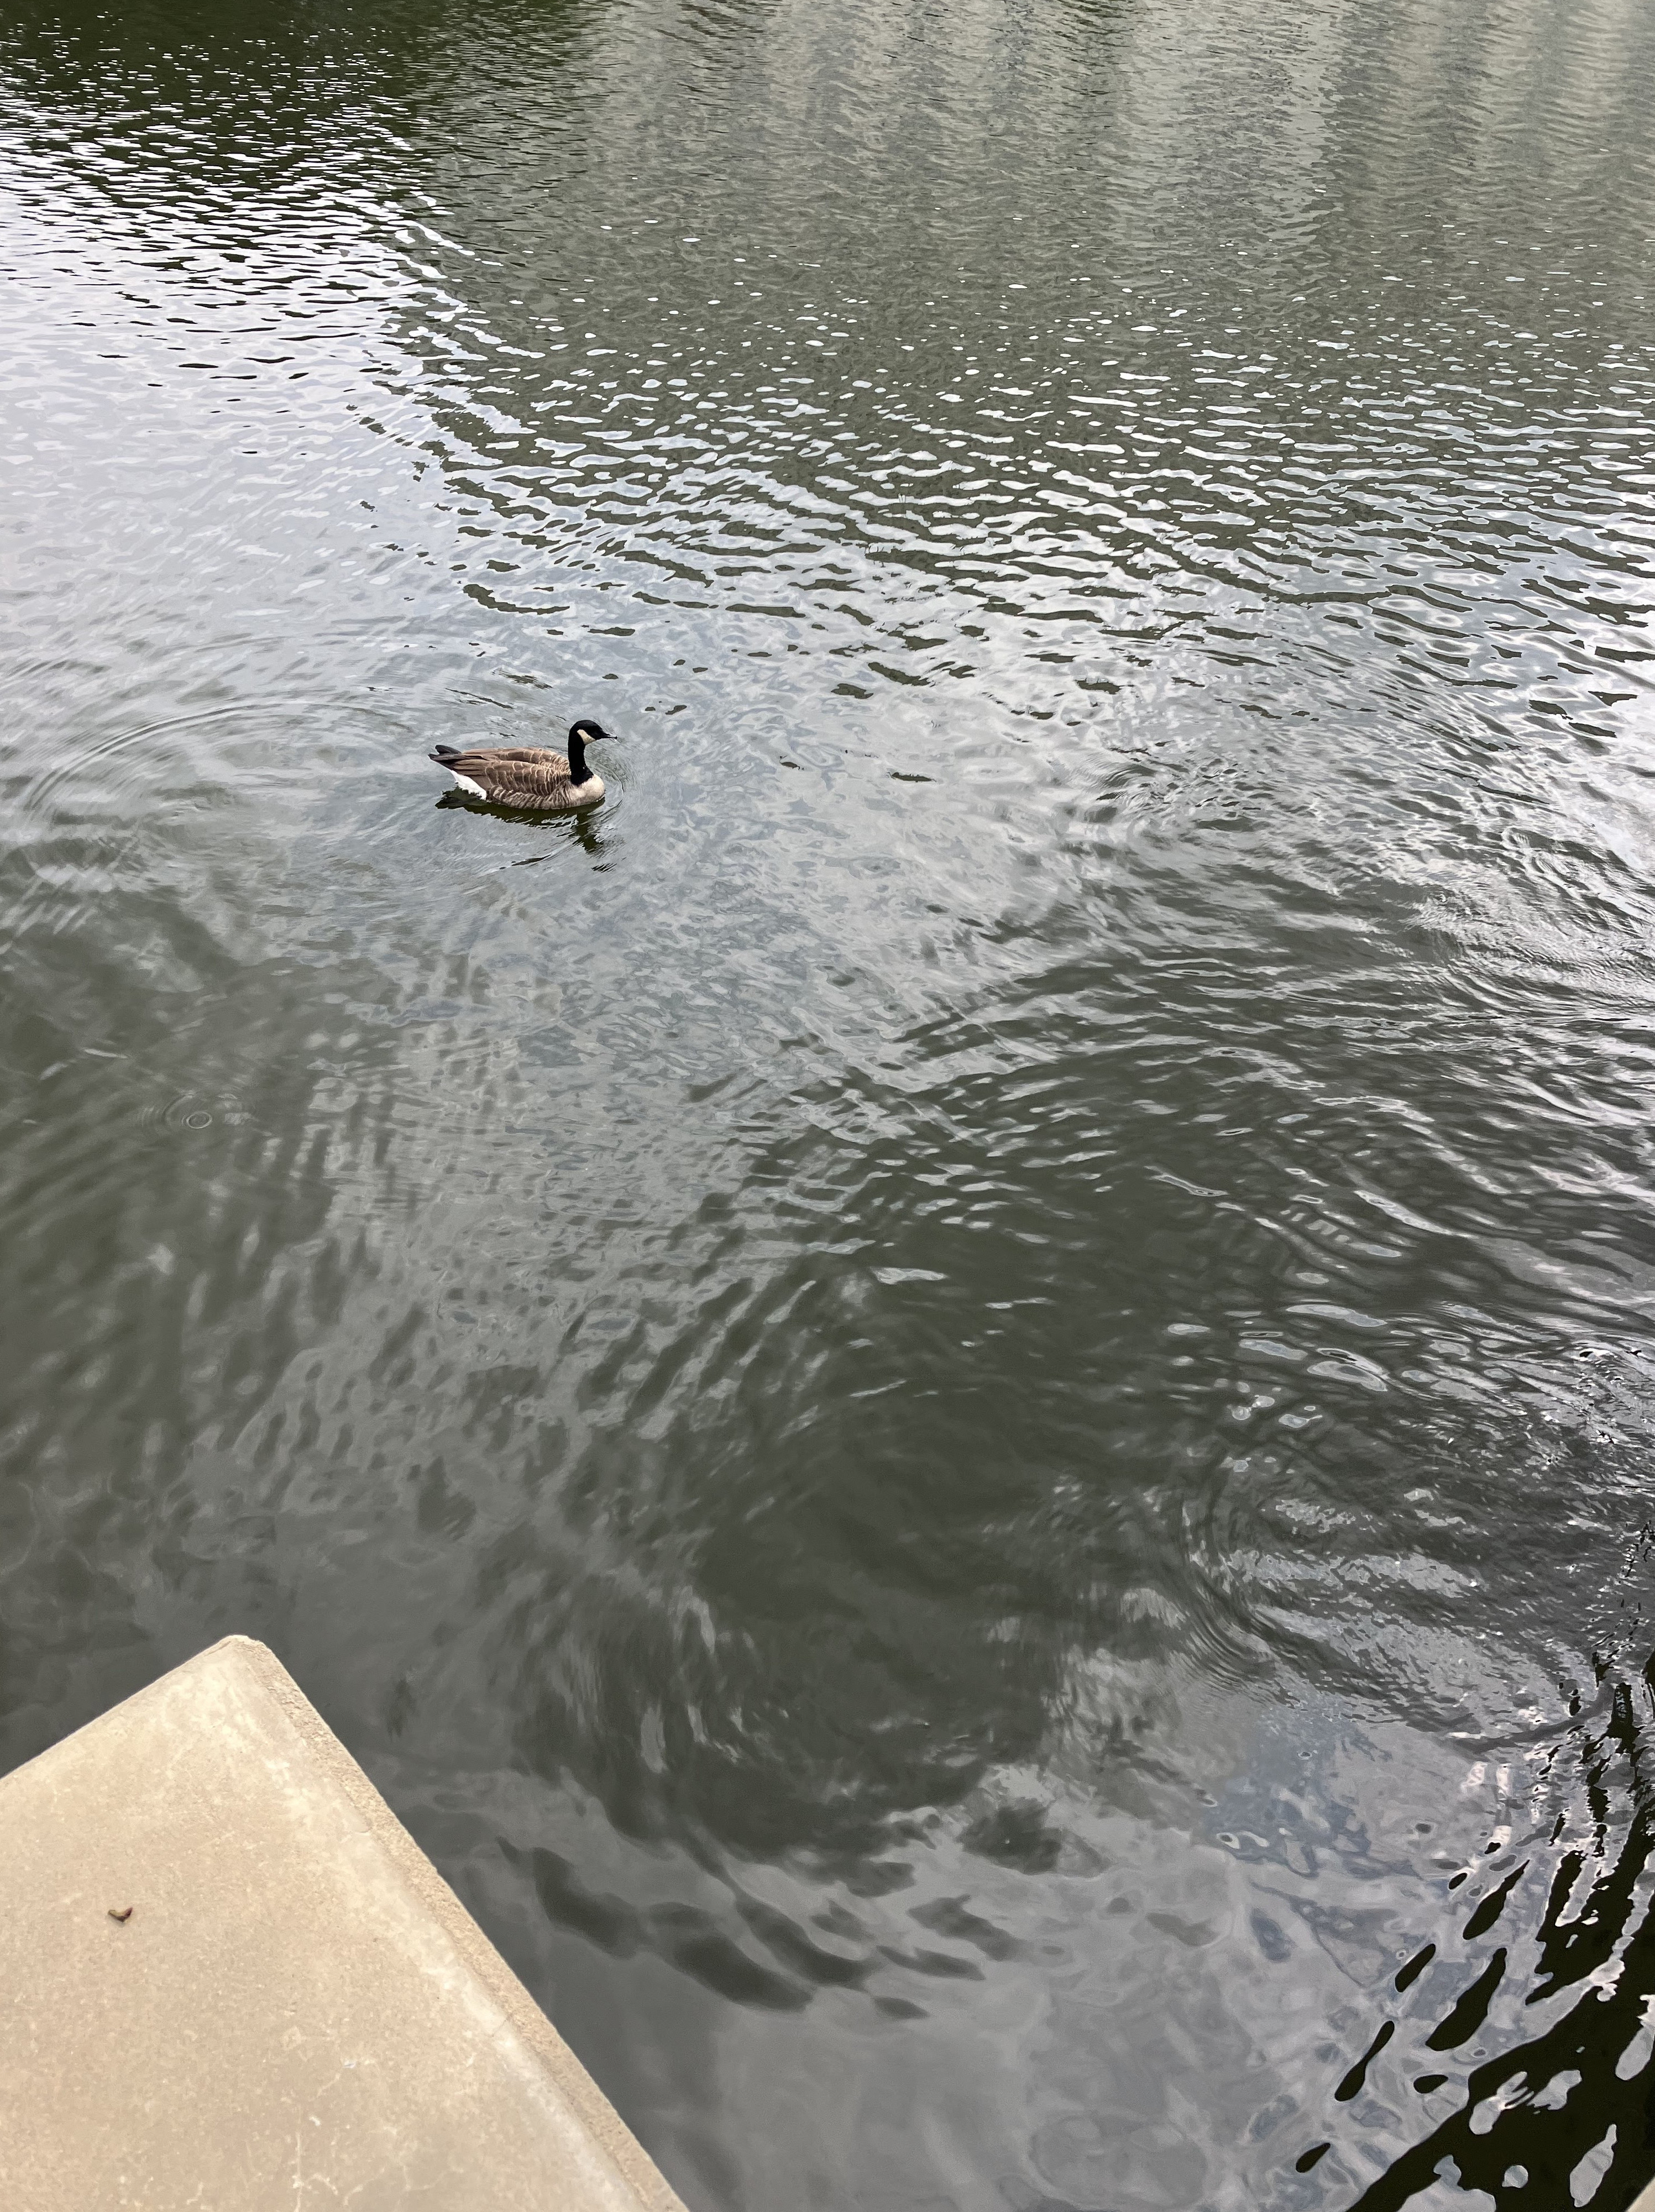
(518, 771)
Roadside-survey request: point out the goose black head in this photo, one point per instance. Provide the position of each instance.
(586, 732)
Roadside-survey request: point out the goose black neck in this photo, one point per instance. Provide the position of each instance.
(578, 770)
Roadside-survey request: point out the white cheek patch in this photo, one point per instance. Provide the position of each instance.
(465, 783)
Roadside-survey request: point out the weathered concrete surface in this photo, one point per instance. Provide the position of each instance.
(299, 2012)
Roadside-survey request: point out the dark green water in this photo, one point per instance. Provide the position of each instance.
(960, 1403)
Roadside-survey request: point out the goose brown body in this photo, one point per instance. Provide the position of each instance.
(529, 776)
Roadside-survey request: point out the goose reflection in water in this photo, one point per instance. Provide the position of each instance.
(567, 828)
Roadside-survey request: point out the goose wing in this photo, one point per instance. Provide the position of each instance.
(526, 773)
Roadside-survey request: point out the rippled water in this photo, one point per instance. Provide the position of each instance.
(959, 1403)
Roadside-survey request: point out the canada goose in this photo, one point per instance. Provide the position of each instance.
(530, 776)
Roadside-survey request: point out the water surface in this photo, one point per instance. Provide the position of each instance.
(958, 1403)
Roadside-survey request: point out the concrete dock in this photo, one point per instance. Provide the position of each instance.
(230, 1980)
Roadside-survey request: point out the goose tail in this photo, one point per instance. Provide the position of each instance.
(444, 753)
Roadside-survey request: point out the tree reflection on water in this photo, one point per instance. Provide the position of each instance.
(1566, 2112)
